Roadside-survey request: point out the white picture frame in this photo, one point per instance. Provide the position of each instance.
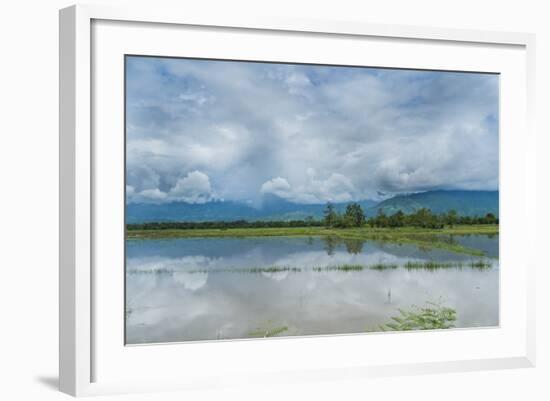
(81, 162)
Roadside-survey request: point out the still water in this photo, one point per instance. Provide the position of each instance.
(222, 288)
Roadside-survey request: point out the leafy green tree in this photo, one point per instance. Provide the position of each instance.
(426, 219)
(354, 215)
(397, 219)
(331, 216)
(346, 221)
(381, 220)
(423, 217)
(451, 218)
(490, 219)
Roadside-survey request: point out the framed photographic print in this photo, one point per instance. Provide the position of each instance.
(277, 200)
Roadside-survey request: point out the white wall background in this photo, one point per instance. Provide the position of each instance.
(29, 200)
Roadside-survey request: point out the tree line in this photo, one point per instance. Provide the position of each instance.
(353, 216)
(190, 225)
(423, 218)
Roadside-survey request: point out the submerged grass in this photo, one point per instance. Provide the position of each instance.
(434, 265)
(480, 264)
(268, 269)
(150, 271)
(354, 268)
(346, 268)
(383, 266)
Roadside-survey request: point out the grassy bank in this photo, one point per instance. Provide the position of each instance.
(427, 238)
(363, 232)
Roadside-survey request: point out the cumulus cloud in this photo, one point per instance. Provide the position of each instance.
(278, 186)
(239, 130)
(153, 194)
(192, 188)
(336, 188)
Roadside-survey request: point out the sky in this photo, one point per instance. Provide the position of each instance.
(204, 130)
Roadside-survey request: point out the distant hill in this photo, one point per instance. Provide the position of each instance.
(272, 208)
(466, 203)
(181, 211)
(276, 208)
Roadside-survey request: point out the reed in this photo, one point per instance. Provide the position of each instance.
(480, 264)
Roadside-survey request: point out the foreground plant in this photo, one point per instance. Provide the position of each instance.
(273, 332)
(432, 317)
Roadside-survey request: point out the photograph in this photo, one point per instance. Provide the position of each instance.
(280, 199)
(268, 199)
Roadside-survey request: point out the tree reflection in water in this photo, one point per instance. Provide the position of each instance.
(352, 246)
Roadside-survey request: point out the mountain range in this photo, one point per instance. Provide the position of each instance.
(466, 203)
(470, 203)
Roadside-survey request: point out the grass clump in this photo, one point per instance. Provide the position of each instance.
(383, 266)
(349, 268)
(269, 332)
(342, 268)
(432, 317)
(430, 265)
(272, 269)
(434, 265)
(480, 264)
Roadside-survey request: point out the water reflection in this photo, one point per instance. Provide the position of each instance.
(353, 246)
(192, 293)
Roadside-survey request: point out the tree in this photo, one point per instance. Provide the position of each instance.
(354, 215)
(372, 222)
(426, 219)
(490, 219)
(381, 219)
(451, 218)
(397, 219)
(331, 217)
